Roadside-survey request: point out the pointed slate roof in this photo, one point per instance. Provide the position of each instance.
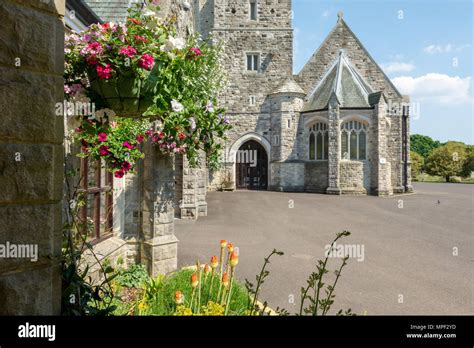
(345, 82)
(289, 85)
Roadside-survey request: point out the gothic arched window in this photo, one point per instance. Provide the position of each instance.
(318, 141)
(354, 140)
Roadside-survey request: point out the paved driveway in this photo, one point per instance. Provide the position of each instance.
(408, 250)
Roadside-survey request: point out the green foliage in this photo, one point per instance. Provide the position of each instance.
(318, 304)
(253, 307)
(423, 144)
(133, 277)
(417, 162)
(447, 160)
(468, 166)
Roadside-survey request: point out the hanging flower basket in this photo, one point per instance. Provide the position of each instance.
(128, 96)
(141, 70)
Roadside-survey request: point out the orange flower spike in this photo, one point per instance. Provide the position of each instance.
(178, 297)
(223, 243)
(230, 247)
(225, 279)
(234, 259)
(214, 262)
(194, 280)
(207, 269)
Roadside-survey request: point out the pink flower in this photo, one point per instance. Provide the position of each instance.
(128, 51)
(196, 51)
(91, 60)
(119, 173)
(146, 61)
(104, 72)
(126, 166)
(102, 137)
(140, 38)
(104, 150)
(127, 145)
(140, 138)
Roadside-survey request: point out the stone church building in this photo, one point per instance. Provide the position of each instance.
(339, 126)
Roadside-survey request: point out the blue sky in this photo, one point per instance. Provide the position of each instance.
(426, 50)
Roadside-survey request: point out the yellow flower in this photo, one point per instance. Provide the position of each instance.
(234, 259)
(225, 279)
(223, 243)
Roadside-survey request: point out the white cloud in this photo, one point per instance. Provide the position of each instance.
(436, 88)
(435, 49)
(326, 13)
(397, 67)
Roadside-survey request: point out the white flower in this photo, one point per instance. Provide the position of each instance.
(148, 13)
(173, 43)
(210, 107)
(176, 106)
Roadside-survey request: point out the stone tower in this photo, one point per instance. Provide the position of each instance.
(258, 58)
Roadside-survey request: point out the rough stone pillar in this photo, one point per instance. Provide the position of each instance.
(334, 147)
(159, 250)
(31, 155)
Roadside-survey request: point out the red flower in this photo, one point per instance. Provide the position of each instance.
(119, 173)
(127, 145)
(149, 132)
(140, 138)
(134, 21)
(91, 60)
(140, 38)
(84, 143)
(102, 137)
(128, 51)
(104, 72)
(196, 51)
(78, 130)
(181, 136)
(146, 62)
(104, 150)
(126, 166)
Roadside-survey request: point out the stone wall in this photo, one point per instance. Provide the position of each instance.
(31, 153)
(354, 177)
(316, 176)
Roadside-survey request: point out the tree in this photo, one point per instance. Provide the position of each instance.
(447, 160)
(423, 144)
(468, 166)
(417, 162)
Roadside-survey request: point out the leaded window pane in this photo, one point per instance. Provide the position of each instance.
(319, 146)
(353, 145)
(312, 147)
(344, 145)
(362, 146)
(326, 145)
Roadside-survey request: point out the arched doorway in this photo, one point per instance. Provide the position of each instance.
(251, 166)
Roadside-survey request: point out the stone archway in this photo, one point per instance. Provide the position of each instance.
(264, 155)
(251, 166)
